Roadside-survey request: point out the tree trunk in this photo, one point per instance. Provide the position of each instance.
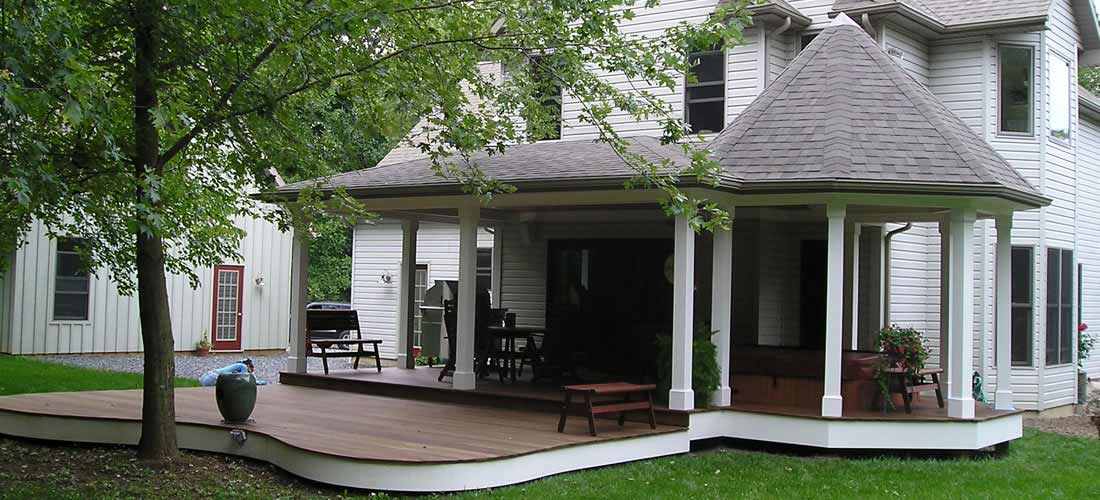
(158, 410)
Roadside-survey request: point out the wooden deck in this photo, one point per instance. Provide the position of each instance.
(352, 425)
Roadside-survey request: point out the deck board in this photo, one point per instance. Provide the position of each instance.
(355, 426)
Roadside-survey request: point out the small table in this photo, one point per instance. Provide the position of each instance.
(592, 408)
(902, 383)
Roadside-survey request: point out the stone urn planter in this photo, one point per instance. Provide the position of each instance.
(236, 395)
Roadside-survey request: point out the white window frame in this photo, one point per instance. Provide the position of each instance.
(416, 303)
(1030, 362)
(1031, 96)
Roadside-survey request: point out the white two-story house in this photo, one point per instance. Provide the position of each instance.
(813, 263)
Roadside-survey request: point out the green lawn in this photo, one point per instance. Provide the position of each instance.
(21, 375)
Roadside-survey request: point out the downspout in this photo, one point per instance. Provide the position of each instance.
(783, 29)
(886, 271)
(865, 21)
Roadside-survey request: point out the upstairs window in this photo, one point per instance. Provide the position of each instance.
(1022, 305)
(705, 91)
(1060, 325)
(1016, 88)
(71, 283)
(544, 119)
(805, 40)
(1060, 107)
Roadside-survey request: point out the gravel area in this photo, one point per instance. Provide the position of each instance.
(268, 366)
(1076, 426)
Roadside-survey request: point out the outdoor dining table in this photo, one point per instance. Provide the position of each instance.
(504, 342)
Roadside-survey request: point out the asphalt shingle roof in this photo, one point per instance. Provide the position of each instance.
(572, 162)
(845, 112)
(959, 12)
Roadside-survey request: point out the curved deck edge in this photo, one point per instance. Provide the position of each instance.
(357, 473)
(856, 434)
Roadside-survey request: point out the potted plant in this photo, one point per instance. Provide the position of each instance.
(202, 347)
(902, 348)
(705, 375)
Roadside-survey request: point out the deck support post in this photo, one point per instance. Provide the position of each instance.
(1002, 306)
(296, 361)
(468, 218)
(721, 309)
(857, 230)
(831, 402)
(960, 333)
(406, 295)
(681, 396)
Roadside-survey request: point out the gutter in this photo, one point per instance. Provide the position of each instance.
(936, 25)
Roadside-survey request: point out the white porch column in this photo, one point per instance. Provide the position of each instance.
(960, 327)
(681, 397)
(857, 229)
(721, 309)
(406, 296)
(467, 296)
(945, 299)
(1002, 307)
(299, 291)
(831, 402)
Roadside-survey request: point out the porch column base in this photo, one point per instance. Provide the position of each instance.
(402, 360)
(1003, 400)
(463, 381)
(681, 399)
(960, 408)
(832, 406)
(296, 364)
(723, 396)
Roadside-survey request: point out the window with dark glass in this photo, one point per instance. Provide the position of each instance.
(485, 269)
(544, 120)
(805, 41)
(1016, 88)
(705, 91)
(71, 283)
(1022, 305)
(1060, 325)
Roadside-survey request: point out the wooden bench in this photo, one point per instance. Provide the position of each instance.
(339, 320)
(590, 408)
(902, 383)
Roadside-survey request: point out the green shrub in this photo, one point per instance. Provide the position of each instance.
(705, 376)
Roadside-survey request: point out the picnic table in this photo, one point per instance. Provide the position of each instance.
(621, 402)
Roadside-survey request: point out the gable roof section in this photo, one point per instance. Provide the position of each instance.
(537, 166)
(954, 15)
(845, 116)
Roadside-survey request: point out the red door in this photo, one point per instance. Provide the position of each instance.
(228, 285)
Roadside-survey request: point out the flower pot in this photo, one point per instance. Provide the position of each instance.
(416, 351)
(202, 351)
(236, 395)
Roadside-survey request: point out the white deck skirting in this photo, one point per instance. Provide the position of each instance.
(855, 434)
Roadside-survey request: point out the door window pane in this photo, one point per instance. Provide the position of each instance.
(1016, 88)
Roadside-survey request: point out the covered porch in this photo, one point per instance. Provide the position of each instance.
(837, 153)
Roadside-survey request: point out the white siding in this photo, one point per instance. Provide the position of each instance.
(377, 251)
(1088, 230)
(113, 324)
(908, 49)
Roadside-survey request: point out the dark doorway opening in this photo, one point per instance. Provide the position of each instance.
(607, 300)
(814, 272)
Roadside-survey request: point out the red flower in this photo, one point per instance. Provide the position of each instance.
(1082, 327)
